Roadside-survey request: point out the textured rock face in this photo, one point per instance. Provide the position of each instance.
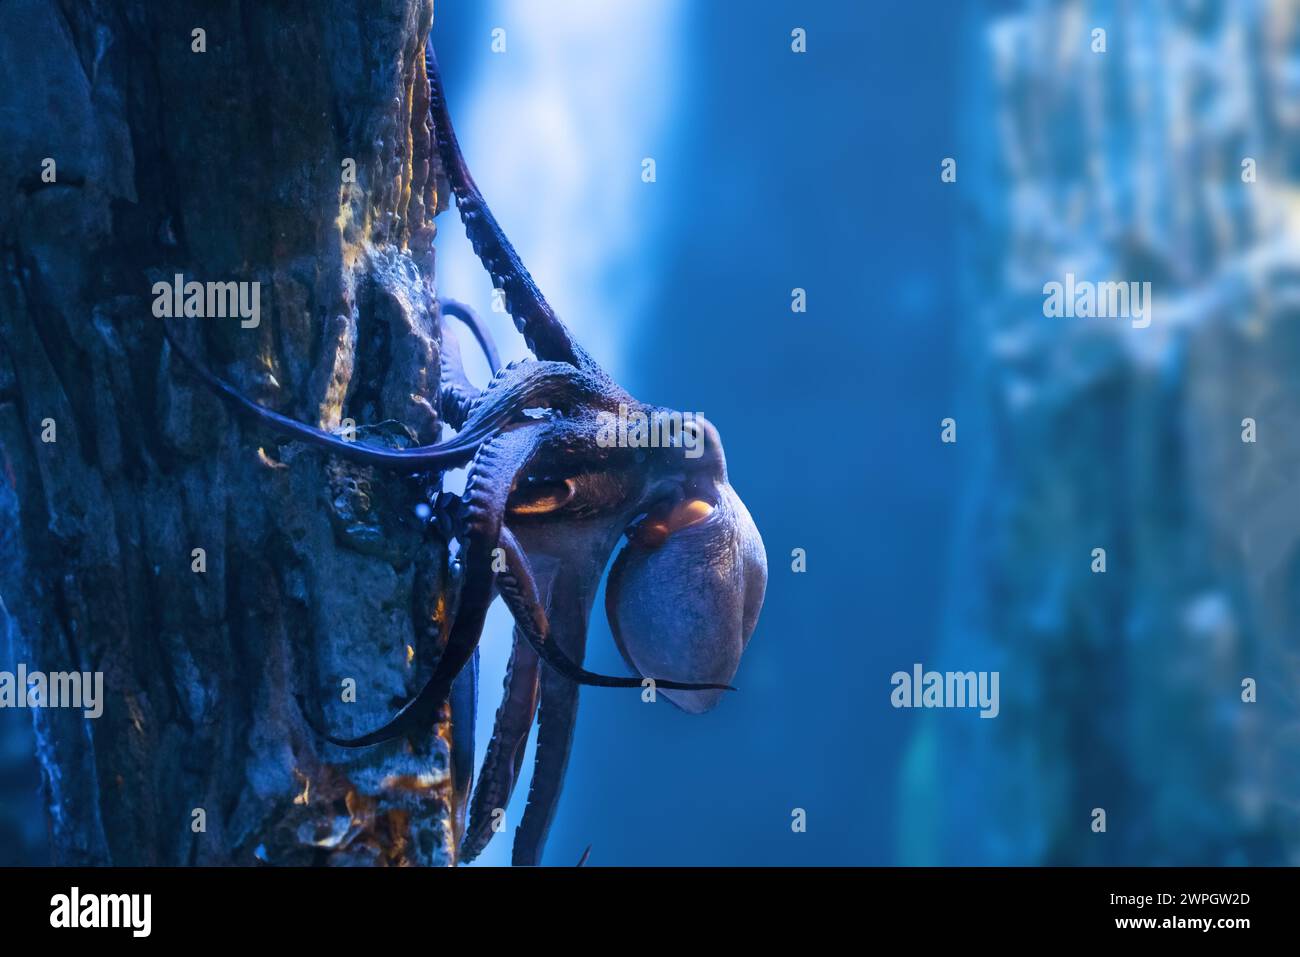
(1123, 690)
(226, 165)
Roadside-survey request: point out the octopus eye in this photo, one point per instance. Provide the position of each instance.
(539, 498)
(654, 529)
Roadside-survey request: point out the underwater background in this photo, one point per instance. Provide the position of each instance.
(821, 171)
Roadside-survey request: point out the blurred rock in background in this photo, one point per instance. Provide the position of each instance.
(1123, 690)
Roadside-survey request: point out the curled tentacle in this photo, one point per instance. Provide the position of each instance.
(500, 772)
(540, 385)
(516, 586)
(456, 403)
(505, 753)
(452, 307)
(487, 487)
(457, 394)
(546, 335)
(532, 636)
(425, 458)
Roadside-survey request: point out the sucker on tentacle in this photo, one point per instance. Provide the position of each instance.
(557, 716)
(505, 752)
(456, 394)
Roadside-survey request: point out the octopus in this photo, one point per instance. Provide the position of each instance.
(552, 488)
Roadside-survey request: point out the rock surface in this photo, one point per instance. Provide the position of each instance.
(224, 165)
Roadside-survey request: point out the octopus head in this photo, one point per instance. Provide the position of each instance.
(685, 592)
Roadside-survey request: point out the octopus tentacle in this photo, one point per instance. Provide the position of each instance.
(489, 392)
(557, 718)
(516, 586)
(453, 307)
(487, 487)
(457, 403)
(569, 604)
(505, 753)
(456, 393)
(542, 384)
(464, 713)
(426, 458)
(545, 334)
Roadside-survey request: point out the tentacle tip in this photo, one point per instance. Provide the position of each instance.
(320, 732)
(466, 857)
